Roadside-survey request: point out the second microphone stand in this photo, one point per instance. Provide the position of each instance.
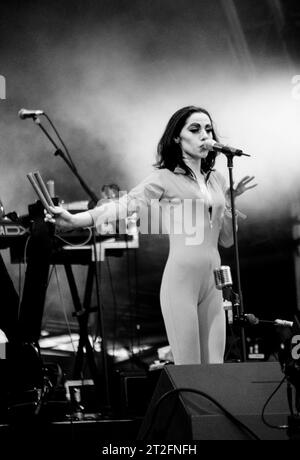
(82, 315)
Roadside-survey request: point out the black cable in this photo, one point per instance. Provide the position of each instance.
(50, 275)
(231, 417)
(122, 322)
(234, 342)
(98, 328)
(115, 305)
(289, 391)
(21, 288)
(64, 307)
(137, 326)
(20, 279)
(276, 427)
(131, 338)
(47, 285)
(81, 243)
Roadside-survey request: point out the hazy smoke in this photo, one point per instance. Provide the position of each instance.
(111, 83)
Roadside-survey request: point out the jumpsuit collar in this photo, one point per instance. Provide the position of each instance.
(179, 170)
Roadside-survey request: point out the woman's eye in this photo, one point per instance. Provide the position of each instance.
(195, 129)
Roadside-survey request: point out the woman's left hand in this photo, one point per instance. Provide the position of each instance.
(241, 187)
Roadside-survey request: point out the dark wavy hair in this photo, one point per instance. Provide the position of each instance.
(169, 153)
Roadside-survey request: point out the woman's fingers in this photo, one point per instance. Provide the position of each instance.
(56, 209)
(246, 180)
(241, 186)
(58, 216)
(49, 218)
(251, 186)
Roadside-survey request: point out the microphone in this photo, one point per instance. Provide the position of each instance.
(253, 320)
(250, 319)
(223, 281)
(283, 323)
(24, 113)
(212, 145)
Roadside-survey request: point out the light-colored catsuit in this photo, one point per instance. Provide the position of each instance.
(191, 305)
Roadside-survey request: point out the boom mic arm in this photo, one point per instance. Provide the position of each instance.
(252, 320)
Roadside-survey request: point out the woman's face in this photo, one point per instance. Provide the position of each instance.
(196, 131)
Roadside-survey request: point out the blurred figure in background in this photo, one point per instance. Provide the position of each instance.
(109, 192)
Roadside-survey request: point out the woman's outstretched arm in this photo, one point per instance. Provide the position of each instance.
(149, 189)
(65, 220)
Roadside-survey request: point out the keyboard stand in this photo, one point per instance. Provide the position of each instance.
(82, 314)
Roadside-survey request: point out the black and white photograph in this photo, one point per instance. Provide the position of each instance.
(149, 225)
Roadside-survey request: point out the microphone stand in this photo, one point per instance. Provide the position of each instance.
(59, 152)
(249, 319)
(240, 302)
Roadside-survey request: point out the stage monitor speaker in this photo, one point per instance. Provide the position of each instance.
(241, 388)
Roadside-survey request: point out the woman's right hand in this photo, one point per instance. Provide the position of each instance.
(60, 217)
